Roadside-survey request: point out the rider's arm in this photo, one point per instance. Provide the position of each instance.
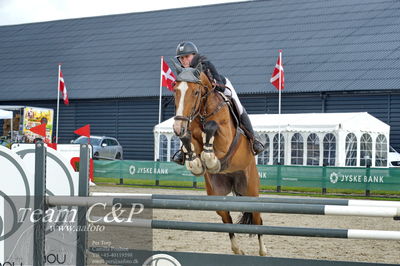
(217, 77)
(208, 66)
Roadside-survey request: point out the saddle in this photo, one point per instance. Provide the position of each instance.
(236, 117)
(232, 107)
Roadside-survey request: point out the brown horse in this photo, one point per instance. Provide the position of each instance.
(214, 145)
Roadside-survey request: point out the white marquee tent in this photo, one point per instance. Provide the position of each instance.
(339, 139)
(5, 114)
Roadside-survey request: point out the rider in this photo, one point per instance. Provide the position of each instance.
(188, 55)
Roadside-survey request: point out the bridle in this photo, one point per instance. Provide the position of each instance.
(196, 112)
(196, 109)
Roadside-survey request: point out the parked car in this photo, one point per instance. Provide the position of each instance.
(394, 158)
(103, 147)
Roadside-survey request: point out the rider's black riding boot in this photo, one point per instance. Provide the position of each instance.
(179, 157)
(258, 147)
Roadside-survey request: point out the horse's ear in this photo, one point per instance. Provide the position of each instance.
(178, 67)
(198, 70)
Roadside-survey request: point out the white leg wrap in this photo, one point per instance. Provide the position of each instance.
(211, 161)
(235, 246)
(263, 250)
(195, 166)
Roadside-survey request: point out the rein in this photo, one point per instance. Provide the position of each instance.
(196, 110)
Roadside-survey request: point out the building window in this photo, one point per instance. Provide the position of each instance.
(163, 152)
(175, 145)
(365, 150)
(329, 150)
(351, 150)
(381, 151)
(313, 149)
(276, 149)
(297, 149)
(263, 158)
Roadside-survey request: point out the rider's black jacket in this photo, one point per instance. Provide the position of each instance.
(210, 69)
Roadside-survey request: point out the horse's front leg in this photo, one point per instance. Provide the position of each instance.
(192, 161)
(208, 156)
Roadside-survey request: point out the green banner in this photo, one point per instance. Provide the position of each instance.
(387, 179)
(143, 170)
(362, 178)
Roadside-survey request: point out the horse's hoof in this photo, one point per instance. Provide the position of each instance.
(238, 251)
(216, 169)
(195, 167)
(211, 162)
(263, 253)
(198, 174)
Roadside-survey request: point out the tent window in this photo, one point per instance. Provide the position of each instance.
(329, 149)
(163, 152)
(351, 150)
(381, 151)
(297, 149)
(175, 145)
(263, 158)
(366, 150)
(276, 148)
(313, 149)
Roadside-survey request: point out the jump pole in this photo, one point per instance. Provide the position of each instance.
(288, 208)
(254, 229)
(341, 202)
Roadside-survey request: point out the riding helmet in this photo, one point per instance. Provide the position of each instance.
(185, 48)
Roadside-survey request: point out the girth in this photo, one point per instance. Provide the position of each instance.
(226, 159)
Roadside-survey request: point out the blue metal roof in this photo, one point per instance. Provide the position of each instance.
(328, 45)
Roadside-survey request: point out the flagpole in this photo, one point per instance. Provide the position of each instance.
(58, 100)
(159, 104)
(279, 106)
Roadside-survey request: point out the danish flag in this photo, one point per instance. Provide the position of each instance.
(63, 88)
(168, 77)
(275, 79)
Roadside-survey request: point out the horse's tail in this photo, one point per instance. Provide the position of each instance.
(246, 218)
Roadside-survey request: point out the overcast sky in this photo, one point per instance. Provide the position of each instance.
(26, 11)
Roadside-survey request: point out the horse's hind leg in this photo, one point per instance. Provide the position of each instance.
(253, 190)
(256, 218)
(220, 185)
(227, 219)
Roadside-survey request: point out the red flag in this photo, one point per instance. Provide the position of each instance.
(168, 77)
(83, 131)
(74, 162)
(275, 79)
(40, 130)
(63, 88)
(52, 145)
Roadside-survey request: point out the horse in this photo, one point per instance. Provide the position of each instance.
(214, 144)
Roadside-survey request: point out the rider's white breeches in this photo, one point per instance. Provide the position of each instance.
(232, 93)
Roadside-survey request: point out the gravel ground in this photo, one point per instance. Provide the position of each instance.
(376, 251)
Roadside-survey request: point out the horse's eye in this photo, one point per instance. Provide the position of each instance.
(196, 93)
